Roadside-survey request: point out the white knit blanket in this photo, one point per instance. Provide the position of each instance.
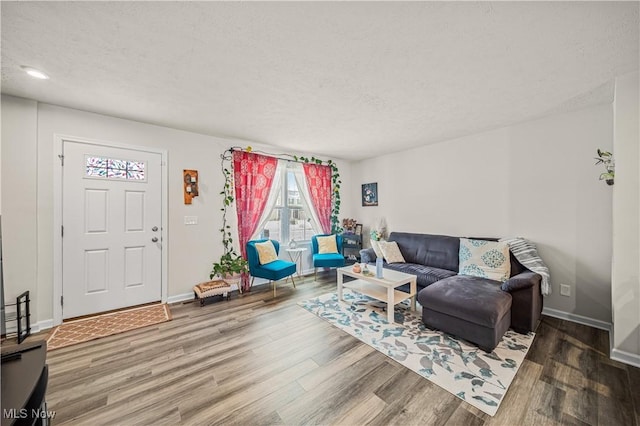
(527, 254)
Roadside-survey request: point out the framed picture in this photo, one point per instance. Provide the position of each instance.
(359, 229)
(370, 194)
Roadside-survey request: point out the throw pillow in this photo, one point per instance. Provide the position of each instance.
(391, 252)
(327, 244)
(266, 252)
(485, 259)
(375, 245)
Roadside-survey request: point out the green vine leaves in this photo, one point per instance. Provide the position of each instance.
(336, 227)
(231, 262)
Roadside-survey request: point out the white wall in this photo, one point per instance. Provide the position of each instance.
(19, 198)
(28, 142)
(440, 188)
(625, 288)
(536, 180)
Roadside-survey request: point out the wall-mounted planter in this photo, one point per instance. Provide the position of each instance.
(606, 159)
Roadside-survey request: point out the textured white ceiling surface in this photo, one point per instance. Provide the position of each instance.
(345, 79)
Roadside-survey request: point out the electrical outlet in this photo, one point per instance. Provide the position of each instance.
(565, 290)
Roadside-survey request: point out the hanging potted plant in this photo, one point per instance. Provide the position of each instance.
(606, 159)
(231, 265)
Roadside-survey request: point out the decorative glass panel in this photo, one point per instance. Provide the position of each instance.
(111, 168)
(96, 162)
(116, 174)
(135, 165)
(135, 174)
(117, 164)
(96, 172)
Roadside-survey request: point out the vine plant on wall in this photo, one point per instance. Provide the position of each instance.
(606, 159)
(335, 195)
(231, 262)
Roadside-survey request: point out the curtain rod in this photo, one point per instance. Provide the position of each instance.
(278, 156)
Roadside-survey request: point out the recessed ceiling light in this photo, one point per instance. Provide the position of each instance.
(35, 73)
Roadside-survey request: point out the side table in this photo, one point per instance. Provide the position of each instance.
(295, 254)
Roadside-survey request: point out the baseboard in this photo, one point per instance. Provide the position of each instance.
(615, 354)
(184, 297)
(602, 325)
(625, 357)
(180, 297)
(42, 325)
(35, 328)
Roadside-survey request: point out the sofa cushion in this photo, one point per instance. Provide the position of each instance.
(375, 245)
(437, 251)
(426, 275)
(484, 259)
(391, 252)
(473, 299)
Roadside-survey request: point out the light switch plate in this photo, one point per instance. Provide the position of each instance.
(191, 220)
(565, 290)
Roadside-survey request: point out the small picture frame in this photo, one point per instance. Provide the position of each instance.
(358, 229)
(370, 194)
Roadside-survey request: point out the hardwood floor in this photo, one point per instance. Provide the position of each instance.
(256, 360)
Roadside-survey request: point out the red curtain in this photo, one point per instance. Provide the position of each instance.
(253, 175)
(319, 183)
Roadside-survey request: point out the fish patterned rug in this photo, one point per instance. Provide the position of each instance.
(473, 375)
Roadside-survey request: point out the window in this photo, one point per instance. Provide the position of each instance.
(110, 168)
(289, 219)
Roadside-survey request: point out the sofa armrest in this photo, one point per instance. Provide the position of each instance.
(521, 281)
(367, 255)
(526, 300)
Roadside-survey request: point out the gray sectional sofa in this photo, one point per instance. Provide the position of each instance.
(479, 310)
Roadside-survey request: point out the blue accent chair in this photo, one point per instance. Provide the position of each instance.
(272, 271)
(326, 260)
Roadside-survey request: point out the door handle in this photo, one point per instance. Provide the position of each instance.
(154, 239)
(154, 229)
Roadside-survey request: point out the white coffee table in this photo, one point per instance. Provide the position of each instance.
(383, 289)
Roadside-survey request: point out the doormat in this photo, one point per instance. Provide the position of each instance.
(457, 366)
(85, 329)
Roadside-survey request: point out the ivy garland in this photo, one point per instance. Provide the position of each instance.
(231, 260)
(336, 228)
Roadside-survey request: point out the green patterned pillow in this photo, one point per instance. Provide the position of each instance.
(485, 259)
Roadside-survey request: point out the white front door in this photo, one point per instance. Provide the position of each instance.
(112, 237)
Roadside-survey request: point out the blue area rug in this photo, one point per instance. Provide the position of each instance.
(471, 374)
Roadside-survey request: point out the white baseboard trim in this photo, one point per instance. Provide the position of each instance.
(35, 328)
(615, 354)
(625, 357)
(42, 325)
(602, 325)
(184, 297)
(180, 297)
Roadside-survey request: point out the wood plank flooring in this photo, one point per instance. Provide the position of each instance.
(256, 360)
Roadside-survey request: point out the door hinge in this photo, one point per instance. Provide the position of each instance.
(61, 300)
(62, 231)
(61, 157)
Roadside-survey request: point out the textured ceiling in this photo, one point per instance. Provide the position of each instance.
(346, 79)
